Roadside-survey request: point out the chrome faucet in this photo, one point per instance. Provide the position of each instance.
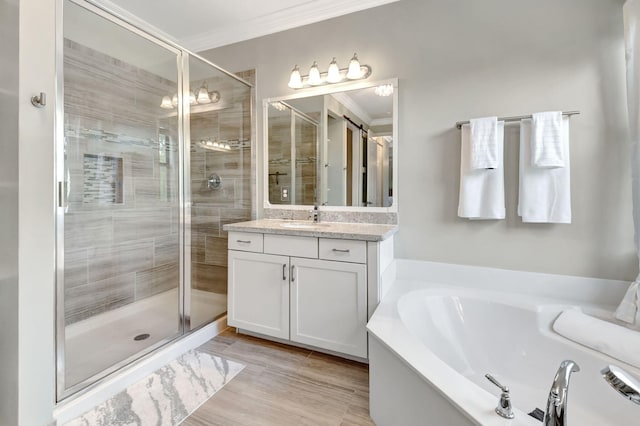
(504, 408)
(623, 382)
(314, 214)
(556, 414)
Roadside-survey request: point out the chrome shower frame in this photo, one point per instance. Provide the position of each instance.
(62, 391)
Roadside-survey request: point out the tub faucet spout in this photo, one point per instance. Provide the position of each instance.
(556, 414)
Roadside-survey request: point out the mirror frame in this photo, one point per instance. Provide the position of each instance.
(319, 91)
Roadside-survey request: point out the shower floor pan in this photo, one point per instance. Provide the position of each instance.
(97, 343)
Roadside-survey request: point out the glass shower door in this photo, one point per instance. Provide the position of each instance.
(219, 129)
(119, 223)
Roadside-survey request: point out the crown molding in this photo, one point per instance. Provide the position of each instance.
(307, 13)
(352, 106)
(381, 121)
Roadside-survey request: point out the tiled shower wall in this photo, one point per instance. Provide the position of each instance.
(123, 248)
(233, 201)
(280, 161)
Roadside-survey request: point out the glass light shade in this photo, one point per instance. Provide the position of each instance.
(278, 106)
(203, 95)
(354, 71)
(215, 96)
(192, 98)
(333, 73)
(295, 81)
(166, 102)
(314, 75)
(174, 100)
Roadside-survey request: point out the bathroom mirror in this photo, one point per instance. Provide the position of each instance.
(332, 147)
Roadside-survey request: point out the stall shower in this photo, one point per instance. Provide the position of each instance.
(145, 129)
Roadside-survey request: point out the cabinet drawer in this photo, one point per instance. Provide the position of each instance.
(343, 250)
(289, 245)
(245, 241)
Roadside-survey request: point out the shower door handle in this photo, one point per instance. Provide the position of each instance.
(62, 194)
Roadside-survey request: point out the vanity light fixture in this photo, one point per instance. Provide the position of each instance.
(203, 94)
(200, 97)
(384, 90)
(335, 74)
(314, 75)
(166, 102)
(214, 145)
(279, 106)
(295, 81)
(354, 71)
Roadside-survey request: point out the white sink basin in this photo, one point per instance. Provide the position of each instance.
(303, 225)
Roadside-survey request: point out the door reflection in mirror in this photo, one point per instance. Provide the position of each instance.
(334, 149)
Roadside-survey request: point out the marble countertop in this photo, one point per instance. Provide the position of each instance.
(342, 230)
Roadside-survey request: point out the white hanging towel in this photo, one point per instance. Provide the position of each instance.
(481, 190)
(547, 149)
(484, 143)
(545, 193)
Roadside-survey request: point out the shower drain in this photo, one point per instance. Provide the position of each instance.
(141, 336)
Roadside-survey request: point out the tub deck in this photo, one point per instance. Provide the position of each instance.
(432, 342)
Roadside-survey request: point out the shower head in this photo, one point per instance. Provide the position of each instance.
(623, 382)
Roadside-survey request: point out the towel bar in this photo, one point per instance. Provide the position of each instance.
(459, 124)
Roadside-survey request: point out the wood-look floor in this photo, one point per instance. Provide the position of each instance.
(284, 385)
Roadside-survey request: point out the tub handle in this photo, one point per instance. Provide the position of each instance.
(496, 382)
(504, 408)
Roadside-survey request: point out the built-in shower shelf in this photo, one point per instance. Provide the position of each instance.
(103, 176)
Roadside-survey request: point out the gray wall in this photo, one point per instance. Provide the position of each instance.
(457, 59)
(9, 211)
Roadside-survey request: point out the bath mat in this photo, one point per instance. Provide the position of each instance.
(167, 396)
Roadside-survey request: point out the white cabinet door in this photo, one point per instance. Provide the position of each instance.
(329, 305)
(259, 293)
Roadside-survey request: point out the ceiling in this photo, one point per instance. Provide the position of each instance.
(204, 24)
(374, 110)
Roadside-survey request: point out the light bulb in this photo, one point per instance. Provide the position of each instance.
(333, 73)
(314, 75)
(295, 81)
(203, 95)
(354, 68)
(166, 102)
(192, 98)
(227, 146)
(174, 100)
(384, 90)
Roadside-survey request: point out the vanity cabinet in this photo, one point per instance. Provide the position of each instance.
(329, 305)
(259, 293)
(308, 290)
